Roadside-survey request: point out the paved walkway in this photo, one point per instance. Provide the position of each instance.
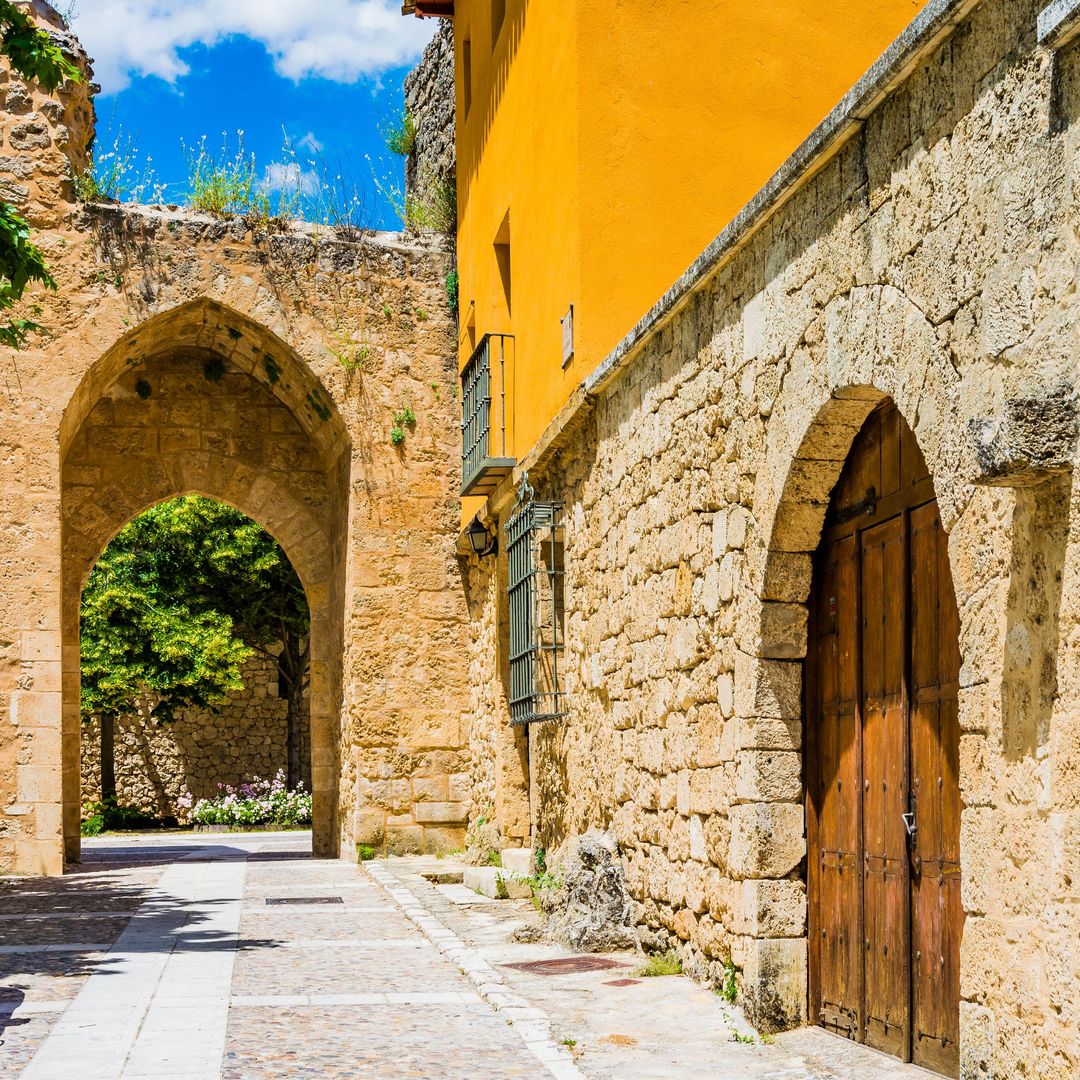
(202, 957)
(178, 958)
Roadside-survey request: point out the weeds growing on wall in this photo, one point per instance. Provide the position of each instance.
(118, 173)
(225, 183)
(433, 205)
(729, 986)
(452, 290)
(400, 136)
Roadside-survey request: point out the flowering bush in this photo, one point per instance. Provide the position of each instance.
(262, 802)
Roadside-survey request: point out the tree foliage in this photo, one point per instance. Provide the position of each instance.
(31, 53)
(179, 600)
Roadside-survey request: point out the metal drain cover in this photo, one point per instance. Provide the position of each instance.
(567, 965)
(304, 900)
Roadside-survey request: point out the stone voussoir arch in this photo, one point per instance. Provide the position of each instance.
(875, 344)
(202, 400)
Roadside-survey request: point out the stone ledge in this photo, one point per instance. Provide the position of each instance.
(1059, 23)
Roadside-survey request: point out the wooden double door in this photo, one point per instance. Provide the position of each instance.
(882, 735)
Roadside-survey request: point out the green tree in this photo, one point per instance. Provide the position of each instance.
(176, 604)
(33, 55)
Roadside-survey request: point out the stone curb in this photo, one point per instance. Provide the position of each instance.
(533, 1025)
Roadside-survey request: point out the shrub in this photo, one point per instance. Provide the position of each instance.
(104, 816)
(261, 802)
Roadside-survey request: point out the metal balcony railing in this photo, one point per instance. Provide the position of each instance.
(484, 462)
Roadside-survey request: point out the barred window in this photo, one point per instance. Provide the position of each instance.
(535, 551)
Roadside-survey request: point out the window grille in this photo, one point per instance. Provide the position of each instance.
(483, 417)
(535, 546)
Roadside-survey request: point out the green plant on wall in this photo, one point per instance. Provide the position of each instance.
(404, 422)
(452, 290)
(33, 55)
(400, 136)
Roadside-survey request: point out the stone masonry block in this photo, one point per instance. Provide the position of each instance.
(442, 813)
(767, 688)
(774, 983)
(768, 776)
(770, 909)
(766, 839)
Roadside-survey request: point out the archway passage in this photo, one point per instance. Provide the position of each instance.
(203, 402)
(883, 802)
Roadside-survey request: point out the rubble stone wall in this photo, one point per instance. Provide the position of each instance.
(932, 260)
(157, 763)
(429, 99)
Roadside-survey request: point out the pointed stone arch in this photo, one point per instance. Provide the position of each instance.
(202, 400)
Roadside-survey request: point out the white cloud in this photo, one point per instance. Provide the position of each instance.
(309, 142)
(290, 178)
(341, 40)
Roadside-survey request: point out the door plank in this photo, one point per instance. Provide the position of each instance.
(936, 912)
(885, 863)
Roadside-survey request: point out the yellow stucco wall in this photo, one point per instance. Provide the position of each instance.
(620, 138)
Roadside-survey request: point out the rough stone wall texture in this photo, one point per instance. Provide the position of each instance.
(274, 361)
(498, 753)
(157, 763)
(933, 260)
(429, 98)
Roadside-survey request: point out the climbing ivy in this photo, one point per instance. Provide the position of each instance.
(33, 55)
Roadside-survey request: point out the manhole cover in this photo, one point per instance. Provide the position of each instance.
(304, 900)
(567, 965)
(623, 982)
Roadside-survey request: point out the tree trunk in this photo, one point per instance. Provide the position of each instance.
(108, 756)
(294, 738)
(292, 679)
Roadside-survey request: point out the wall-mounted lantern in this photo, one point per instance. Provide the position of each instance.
(482, 542)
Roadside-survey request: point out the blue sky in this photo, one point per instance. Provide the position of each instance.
(327, 76)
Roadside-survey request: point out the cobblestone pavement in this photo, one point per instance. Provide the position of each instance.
(162, 957)
(199, 957)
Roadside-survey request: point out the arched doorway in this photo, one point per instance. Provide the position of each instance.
(882, 758)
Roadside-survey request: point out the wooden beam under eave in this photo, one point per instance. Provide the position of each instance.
(429, 9)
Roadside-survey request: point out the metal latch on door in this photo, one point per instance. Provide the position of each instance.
(909, 824)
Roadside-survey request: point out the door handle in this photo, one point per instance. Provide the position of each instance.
(909, 824)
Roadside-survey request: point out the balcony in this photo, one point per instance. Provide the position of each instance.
(484, 462)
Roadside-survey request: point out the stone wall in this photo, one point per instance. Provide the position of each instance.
(933, 260)
(429, 99)
(157, 763)
(261, 367)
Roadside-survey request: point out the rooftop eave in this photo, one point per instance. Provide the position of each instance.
(428, 9)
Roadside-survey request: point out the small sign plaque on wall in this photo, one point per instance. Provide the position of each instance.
(568, 336)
